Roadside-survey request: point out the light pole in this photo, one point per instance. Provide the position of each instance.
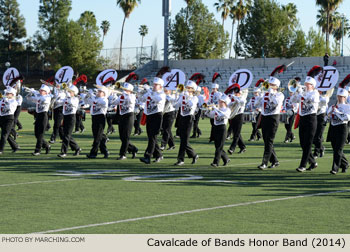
(342, 35)
(42, 56)
(166, 14)
(7, 64)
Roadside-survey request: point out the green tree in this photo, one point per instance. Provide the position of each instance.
(291, 10)
(241, 11)
(127, 6)
(11, 22)
(329, 7)
(201, 38)
(52, 14)
(105, 25)
(79, 44)
(316, 45)
(143, 31)
(233, 17)
(266, 28)
(223, 6)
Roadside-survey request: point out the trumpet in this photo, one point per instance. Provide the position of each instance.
(207, 107)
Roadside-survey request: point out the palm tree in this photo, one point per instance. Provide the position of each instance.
(224, 6)
(329, 7)
(291, 10)
(240, 12)
(143, 31)
(127, 6)
(105, 25)
(233, 17)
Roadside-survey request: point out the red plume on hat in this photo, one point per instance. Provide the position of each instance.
(315, 70)
(345, 81)
(261, 80)
(279, 69)
(109, 80)
(233, 88)
(215, 76)
(163, 70)
(144, 81)
(50, 80)
(198, 78)
(14, 80)
(132, 76)
(81, 80)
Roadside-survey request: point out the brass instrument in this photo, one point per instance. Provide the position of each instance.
(293, 85)
(265, 85)
(328, 93)
(180, 88)
(64, 86)
(207, 107)
(117, 85)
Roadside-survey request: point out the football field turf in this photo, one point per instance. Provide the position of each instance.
(46, 194)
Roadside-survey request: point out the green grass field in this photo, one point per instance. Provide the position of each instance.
(48, 194)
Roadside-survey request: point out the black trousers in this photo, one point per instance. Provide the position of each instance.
(100, 139)
(289, 126)
(236, 124)
(125, 128)
(219, 140)
(167, 137)
(6, 125)
(153, 126)
(68, 140)
(307, 130)
(79, 121)
(137, 122)
(196, 129)
(318, 138)
(57, 126)
(338, 138)
(15, 121)
(177, 122)
(269, 126)
(185, 127)
(230, 129)
(39, 129)
(255, 130)
(211, 137)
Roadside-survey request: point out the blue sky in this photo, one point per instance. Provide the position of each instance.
(149, 13)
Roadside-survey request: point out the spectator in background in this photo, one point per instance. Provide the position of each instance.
(325, 59)
(334, 63)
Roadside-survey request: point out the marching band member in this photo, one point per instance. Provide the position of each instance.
(80, 115)
(214, 100)
(155, 101)
(271, 104)
(8, 105)
(321, 114)
(291, 110)
(348, 102)
(139, 106)
(187, 104)
(58, 97)
(308, 99)
(220, 116)
(98, 109)
(70, 106)
(237, 106)
(19, 100)
(168, 120)
(255, 111)
(111, 97)
(339, 115)
(201, 100)
(126, 102)
(42, 100)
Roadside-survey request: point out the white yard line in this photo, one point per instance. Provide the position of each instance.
(39, 182)
(188, 212)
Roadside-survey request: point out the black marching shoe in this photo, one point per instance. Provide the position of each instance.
(0, 152)
(145, 160)
(214, 164)
(77, 152)
(162, 148)
(312, 166)
(121, 158)
(315, 155)
(15, 150)
(52, 141)
(301, 169)
(274, 165)
(194, 159)
(343, 169)
(262, 167)
(62, 155)
(134, 153)
(226, 162)
(106, 154)
(179, 163)
(47, 149)
(171, 148)
(36, 153)
(193, 136)
(286, 141)
(230, 151)
(333, 172)
(242, 151)
(90, 156)
(322, 152)
(251, 139)
(157, 160)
